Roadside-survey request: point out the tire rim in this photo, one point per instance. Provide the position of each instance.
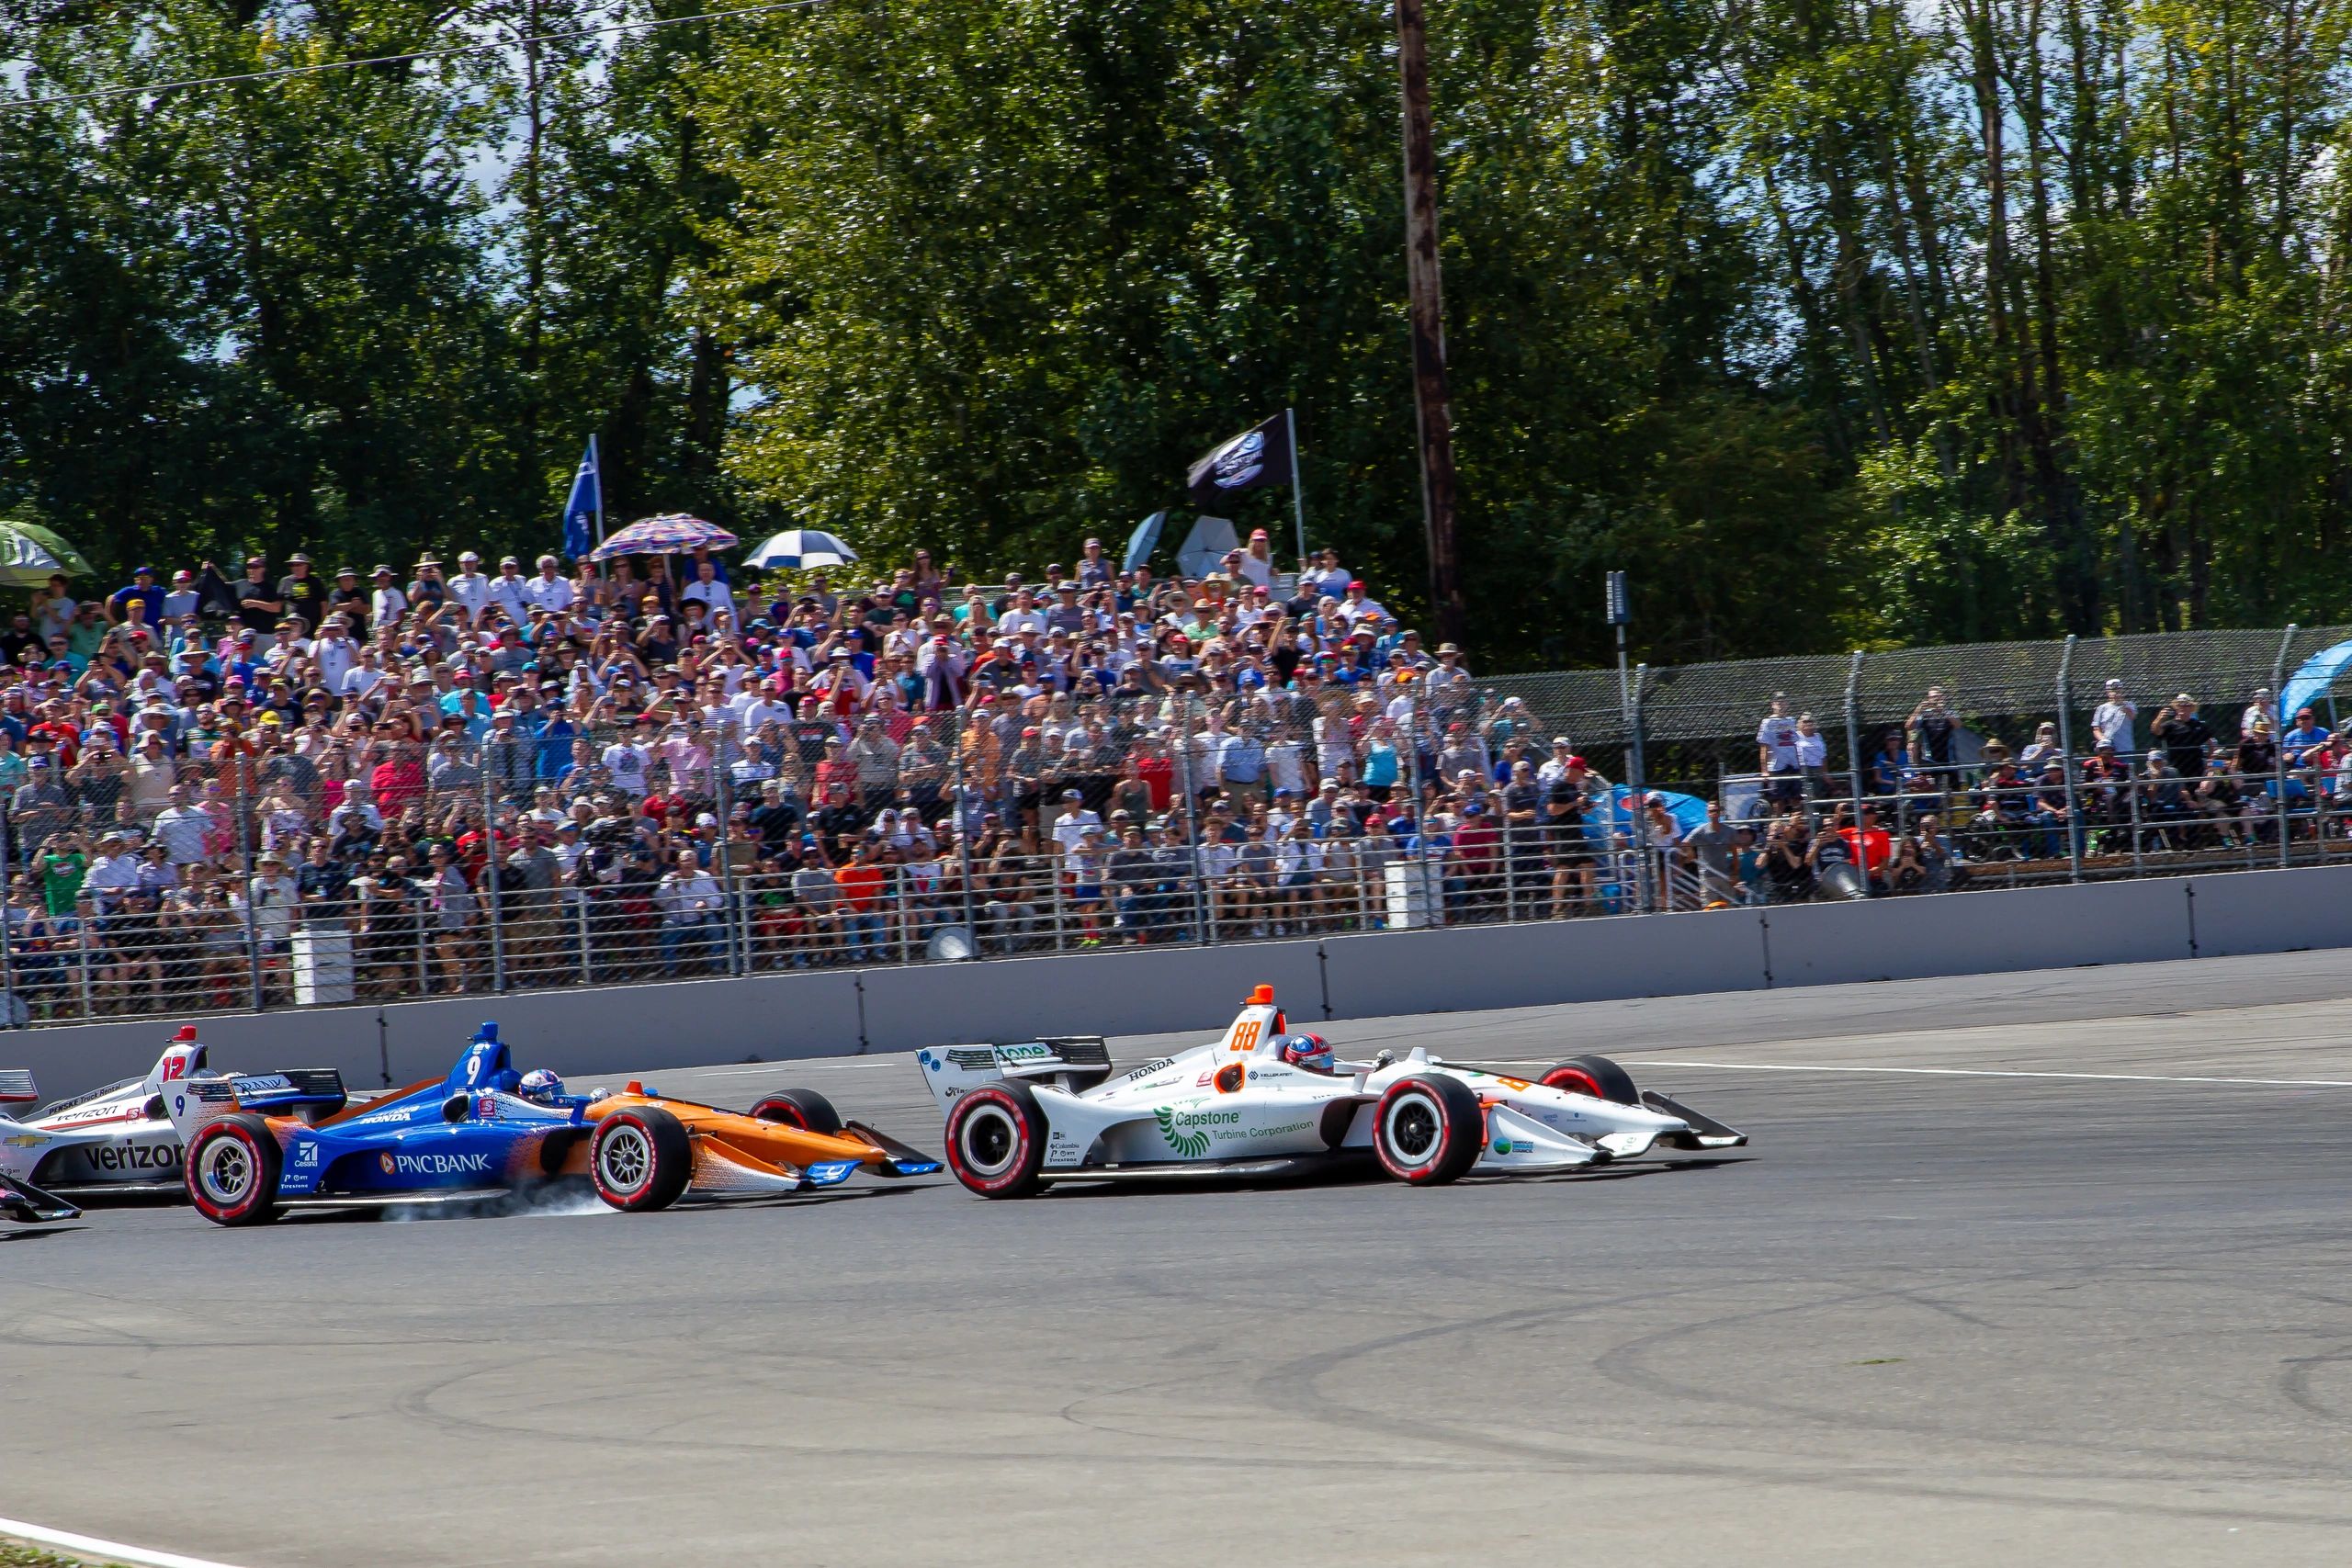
(1414, 1130)
(989, 1141)
(228, 1171)
(626, 1159)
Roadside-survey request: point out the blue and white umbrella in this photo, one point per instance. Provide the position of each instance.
(798, 549)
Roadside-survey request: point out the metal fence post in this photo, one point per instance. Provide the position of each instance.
(2139, 853)
(963, 820)
(17, 1007)
(490, 867)
(2066, 758)
(245, 859)
(1638, 788)
(1854, 748)
(723, 786)
(1185, 782)
(2278, 738)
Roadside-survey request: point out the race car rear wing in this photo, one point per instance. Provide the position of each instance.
(194, 1102)
(17, 1086)
(1071, 1062)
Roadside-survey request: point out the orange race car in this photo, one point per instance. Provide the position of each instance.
(259, 1144)
(646, 1151)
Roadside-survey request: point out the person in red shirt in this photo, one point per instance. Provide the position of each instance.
(399, 778)
(1159, 775)
(1870, 845)
(862, 882)
(1477, 856)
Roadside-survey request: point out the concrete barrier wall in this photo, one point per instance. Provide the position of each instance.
(818, 1013)
(1980, 934)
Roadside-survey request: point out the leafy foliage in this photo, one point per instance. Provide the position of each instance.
(1833, 320)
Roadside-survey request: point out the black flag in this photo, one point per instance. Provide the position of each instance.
(1251, 460)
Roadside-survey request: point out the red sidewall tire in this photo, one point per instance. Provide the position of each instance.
(1596, 1075)
(804, 1109)
(657, 1143)
(1461, 1130)
(264, 1162)
(1006, 1110)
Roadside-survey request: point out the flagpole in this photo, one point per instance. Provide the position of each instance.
(1297, 496)
(598, 464)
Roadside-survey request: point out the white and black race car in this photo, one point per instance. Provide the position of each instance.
(1022, 1115)
(115, 1141)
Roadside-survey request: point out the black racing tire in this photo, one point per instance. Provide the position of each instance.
(996, 1140)
(641, 1160)
(233, 1169)
(1596, 1075)
(1428, 1129)
(801, 1108)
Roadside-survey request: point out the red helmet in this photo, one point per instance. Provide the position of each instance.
(1309, 1051)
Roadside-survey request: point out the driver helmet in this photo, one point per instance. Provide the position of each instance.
(541, 1084)
(1309, 1051)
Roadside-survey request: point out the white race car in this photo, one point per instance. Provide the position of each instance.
(115, 1140)
(1022, 1115)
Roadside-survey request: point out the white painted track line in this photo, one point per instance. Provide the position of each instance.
(1980, 1073)
(90, 1545)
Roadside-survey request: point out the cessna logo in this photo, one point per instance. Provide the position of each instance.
(1187, 1131)
(432, 1165)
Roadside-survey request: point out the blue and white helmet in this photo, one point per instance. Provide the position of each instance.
(1309, 1051)
(542, 1085)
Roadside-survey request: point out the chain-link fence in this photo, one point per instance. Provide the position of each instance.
(154, 868)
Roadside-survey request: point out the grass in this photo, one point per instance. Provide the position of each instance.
(14, 1555)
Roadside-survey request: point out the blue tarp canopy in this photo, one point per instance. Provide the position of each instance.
(2311, 678)
(1687, 810)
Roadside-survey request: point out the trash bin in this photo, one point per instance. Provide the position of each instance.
(1415, 895)
(321, 964)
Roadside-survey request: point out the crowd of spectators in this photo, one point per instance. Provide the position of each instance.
(1923, 813)
(541, 775)
(525, 775)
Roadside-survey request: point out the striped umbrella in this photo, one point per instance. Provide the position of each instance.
(669, 534)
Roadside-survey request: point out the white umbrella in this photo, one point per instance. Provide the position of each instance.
(797, 549)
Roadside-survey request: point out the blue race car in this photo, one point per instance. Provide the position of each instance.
(258, 1145)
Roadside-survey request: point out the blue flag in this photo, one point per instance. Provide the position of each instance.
(580, 512)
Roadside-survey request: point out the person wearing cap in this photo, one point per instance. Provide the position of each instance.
(2113, 721)
(2183, 734)
(141, 593)
(2263, 706)
(469, 589)
(1256, 565)
(386, 604)
(349, 598)
(1096, 569)
(181, 600)
(1072, 820)
(427, 590)
(300, 592)
(258, 606)
(509, 590)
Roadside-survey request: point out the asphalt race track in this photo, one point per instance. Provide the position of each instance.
(1956, 1316)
